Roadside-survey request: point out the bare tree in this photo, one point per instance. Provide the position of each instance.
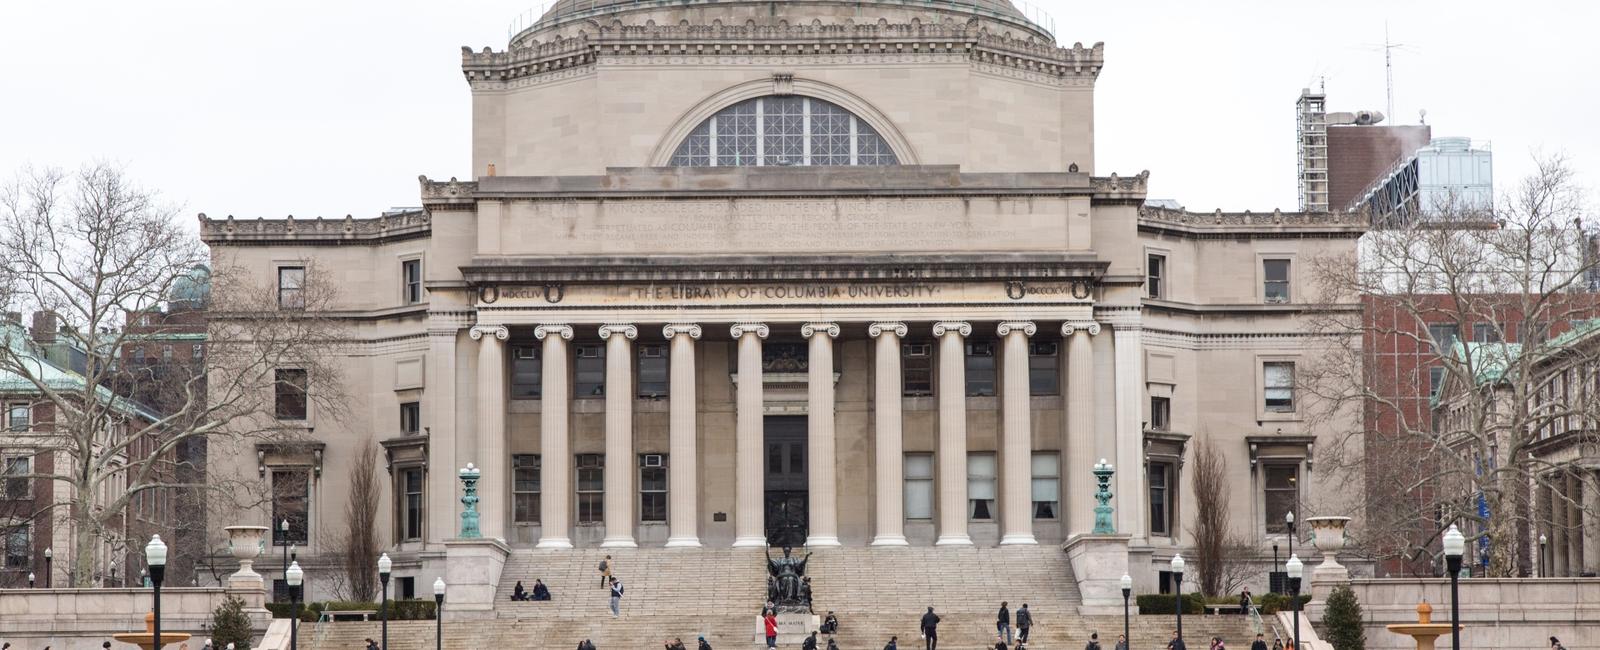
(98, 253)
(1222, 558)
(1476, 291)
(356, 547)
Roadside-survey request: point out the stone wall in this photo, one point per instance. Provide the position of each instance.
(82, 619)
(1496, 613)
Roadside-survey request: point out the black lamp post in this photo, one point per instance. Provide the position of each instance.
(1288, 520)
(283, 539)
(1274, 563)
(384, 565)
(1177, 588)
(438, 613)
(295, 577)
(1455, 545)
(47, 584)
(1296, 569)
(1542, 549)
(1127, 591)
(155, 555)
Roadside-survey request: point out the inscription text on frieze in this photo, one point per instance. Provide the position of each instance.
(718, 293)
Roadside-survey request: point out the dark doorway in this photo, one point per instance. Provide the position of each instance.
(787, 498)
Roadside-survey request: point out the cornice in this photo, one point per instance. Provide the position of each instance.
(398, 226)
(1255, 225)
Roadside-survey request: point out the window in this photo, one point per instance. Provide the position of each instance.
(653, 381)
(19, 547)
(653, 488)
(1435, 380)
(980, 486)
(1275, 285)
(1486, 333)
(1046, 485)
(411, 281)
(1278, 380)
(591, 372)
(18, 488)
(787, 130)
(166, 357)
(289, 389)
(1043, 376)
(1155, 273)
(1538, 332)
(1282, 493)
(411, 506)
(980, 368)
(525, 488)
(290, 491)
(411, 417)
(291, 287)
(591, 488)
(526, 372)
(1160, 413)
(919, 486)
(916, 369)
(1444, 336)
(1160, 498)
(17, 417)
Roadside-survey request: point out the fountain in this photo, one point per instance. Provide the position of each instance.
(1424, 631)
(146, 639)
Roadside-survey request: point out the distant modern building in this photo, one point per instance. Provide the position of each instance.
(1447, 176)
(1342, 154)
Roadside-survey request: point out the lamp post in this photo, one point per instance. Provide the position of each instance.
(30, 579)
(1542, 542)
(1455, 545)
(294, 576)
(155, 555)
(1288, 520)
(438, 613)
(1177, 586)
(1296, 569)
(384, 565)
(47, 582)
(283, 539)
(1274, 564)
(1127, 590)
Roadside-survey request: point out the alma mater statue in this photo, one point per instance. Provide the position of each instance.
(784, 577)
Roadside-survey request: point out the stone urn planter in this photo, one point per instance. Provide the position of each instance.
(246, 543)
(1328, 536)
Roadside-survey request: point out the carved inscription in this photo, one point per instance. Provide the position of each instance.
(798, 293)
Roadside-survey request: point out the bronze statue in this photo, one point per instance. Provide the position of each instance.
(787, 572)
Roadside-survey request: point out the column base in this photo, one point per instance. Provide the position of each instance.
(1018, 538)
(749, 542)
(822, 540)
(618, 542)
(890, 540)
(953, 540)
(683, 542)
(554, 542)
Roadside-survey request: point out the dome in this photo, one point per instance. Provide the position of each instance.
(192, 290)
(1002, 12)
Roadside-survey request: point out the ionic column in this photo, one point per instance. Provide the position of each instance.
(886, 411)
(1558, 527)
(555, 455)
(748, 527)
(619, 435)
(1130, 436)
(952, 432)
(819, 434)
(1574, 523)
(491, 452)
(683, 475)
(1080, 425)
(1591, 521)
(1016, 444)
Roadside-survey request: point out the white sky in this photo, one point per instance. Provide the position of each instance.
(328, 108)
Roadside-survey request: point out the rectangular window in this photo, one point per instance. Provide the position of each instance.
(1485, 333)
(526, 372)
(1160, 413)
(411, 417)
(16, 488)
(1044, 378)
(591, 488)
(525, 488)
(291, 489)
(980, 369)
(411, 281)
(653, 488)
(919, 486)
(1155, 274)
(590, 380)
(1046, 485)
(980, 486)
(1282, 493)
(1160, 499)
(1278, 383)
(291, 287)
(1275, 284)
(19, 545)
(1435, 380)
(17, 417)
(289, 394)
(916, 369)
(653, 370)
(1444, 336)
(411, 518)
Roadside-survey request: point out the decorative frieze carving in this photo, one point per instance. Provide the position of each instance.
(389, 226)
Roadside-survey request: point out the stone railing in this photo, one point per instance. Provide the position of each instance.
(401, 224)
(82, 618)
(1495, 612)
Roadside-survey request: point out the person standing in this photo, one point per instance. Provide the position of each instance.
(810, 642)
(1002, 623)
(1122, 642)
(605, 571)
(586, 645)
(1024, 621)
(616, 597)
(1094, 641)
(1216, 643)
(770, 622)
(930, 629)
(1260, 643)
(1176, 643)
(703, 644)
(894, 643)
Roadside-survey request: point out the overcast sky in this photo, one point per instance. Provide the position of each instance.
(333, 108)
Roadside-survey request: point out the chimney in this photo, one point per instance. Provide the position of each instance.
(45, 326)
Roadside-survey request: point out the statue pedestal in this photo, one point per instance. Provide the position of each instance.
(1099, 562)
(793, 628)
(472, 572)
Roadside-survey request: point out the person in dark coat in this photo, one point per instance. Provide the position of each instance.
(930, 629)
(518, 593)
(830, 624)
(1176, 643)
(1122, 642)
(893, 644)
(540, 592)
(1024, 621)
(1260, 643)
(833, 644)
(1094, 641)
(1002, 623)
(810, 643)
(586, 645)
(703, 644)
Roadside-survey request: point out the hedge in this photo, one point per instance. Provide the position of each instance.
(399, 610)
(1273, 603)
(1164, 603)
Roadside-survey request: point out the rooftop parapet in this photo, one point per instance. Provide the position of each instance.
(389, 226)
(1250, 222)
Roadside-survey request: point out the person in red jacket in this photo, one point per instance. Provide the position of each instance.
(771, 621)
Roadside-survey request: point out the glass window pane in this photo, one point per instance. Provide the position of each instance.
(919, 499)
(980, 369)
(784, 127)
(1043, 376)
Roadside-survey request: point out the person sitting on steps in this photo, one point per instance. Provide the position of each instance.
(830, 624)
(540, 592)
(518, 593)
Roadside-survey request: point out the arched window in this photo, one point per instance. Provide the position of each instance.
(789, 130)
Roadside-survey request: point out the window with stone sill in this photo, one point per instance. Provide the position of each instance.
(591, 488)
(652, 488)
(653, 382)
(1160, 482)
(589, 372)
(786, 130)
(17, 417)
(1044, 376)
(525, 488)
(1160, 413)
(1046, 485)
(410, 418)
(1281, 494)
(918, 470)
(916, 369)
(980, 369)
(410, 515)
(980, 486)
(291, 491)
(527, 372)
(19, 547)
(15, 487)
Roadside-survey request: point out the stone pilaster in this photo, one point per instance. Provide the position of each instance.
(1130, 433)
(441, 410)
(620, 462)
(555, 450)
(824, 488)
(1080, 426)
(1591, 521)
(749, 530)
(952, 456)
(890, 485)
(1574, 506)
(1016, 443)
(1558, 526)
(494, 510)
(683, 474)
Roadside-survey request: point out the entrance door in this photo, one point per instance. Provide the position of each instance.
(787, 498)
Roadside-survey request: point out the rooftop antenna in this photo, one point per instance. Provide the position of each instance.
(1388, 64)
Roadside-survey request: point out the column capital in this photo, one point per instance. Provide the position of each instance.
(960, 327)
(809, 330)
(1091, 327)
(619, 328)
(673, 329)
(740, 329)
(563, 331)
(897, 328)
(1027, 327)
(498, 331)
